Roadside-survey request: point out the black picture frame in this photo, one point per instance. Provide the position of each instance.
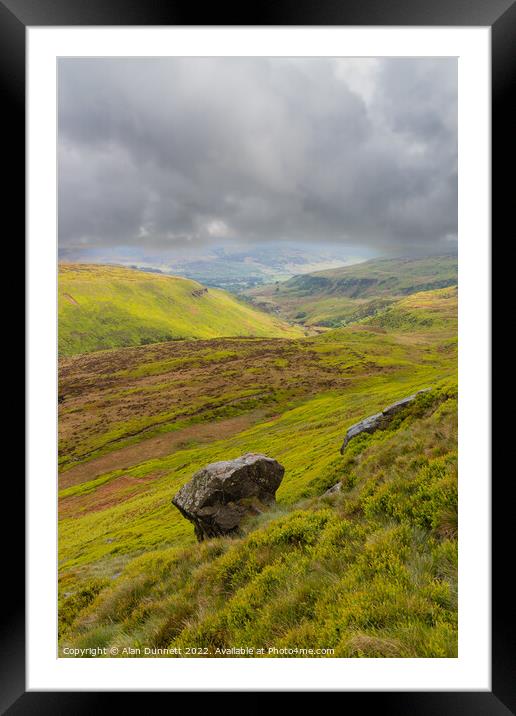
(500, 15)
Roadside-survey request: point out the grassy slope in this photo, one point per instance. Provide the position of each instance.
(387, 548)
(338, 296)
(108, 307)
(370, 572)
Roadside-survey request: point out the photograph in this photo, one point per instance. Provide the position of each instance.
(257, 294)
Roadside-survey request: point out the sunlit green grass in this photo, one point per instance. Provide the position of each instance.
(368, 572)
(107, 307)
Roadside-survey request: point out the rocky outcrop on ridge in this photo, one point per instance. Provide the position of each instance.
(199, 292)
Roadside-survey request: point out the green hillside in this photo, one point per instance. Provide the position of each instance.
(109, 307)
(370, 571)
(339, 296)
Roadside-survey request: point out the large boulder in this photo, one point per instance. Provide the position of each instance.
(378, 421)
(219, 495)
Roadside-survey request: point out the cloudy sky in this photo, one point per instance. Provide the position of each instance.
(167, 152)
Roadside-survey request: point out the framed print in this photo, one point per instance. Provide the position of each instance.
(259, 326)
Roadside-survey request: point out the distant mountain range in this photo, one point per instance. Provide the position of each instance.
(234, 268)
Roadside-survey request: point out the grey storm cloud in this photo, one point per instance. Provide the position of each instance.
(159, 152)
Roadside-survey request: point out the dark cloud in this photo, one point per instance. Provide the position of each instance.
(166, 151)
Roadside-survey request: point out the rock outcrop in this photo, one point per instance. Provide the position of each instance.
(198, 292)
(219, 495)
(379, 421)
(334, 490)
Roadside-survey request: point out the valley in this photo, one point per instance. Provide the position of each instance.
(335, 297)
